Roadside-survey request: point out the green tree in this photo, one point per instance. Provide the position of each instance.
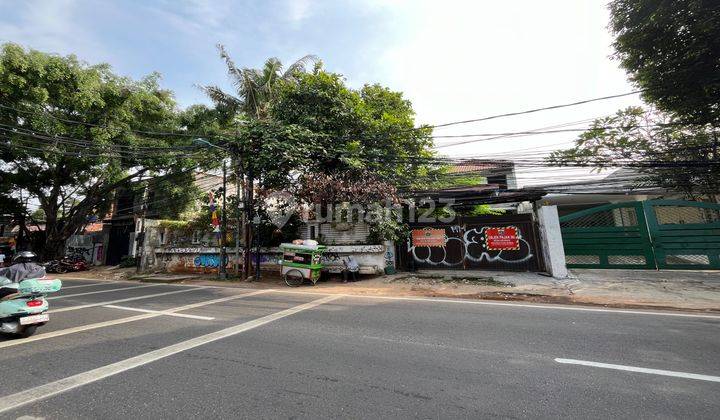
(71, 134)
(664, 153)
(371, 129)
(265, 149)
(38, 215)
(671, 49)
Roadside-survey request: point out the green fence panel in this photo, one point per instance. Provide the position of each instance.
(609, 236)
(684, 234)
(663, 234)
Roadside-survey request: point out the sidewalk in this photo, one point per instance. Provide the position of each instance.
(677, 289)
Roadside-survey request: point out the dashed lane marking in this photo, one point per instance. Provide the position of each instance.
(32, 395)
(150, 311)
(640, 370)
(101, 291)
(112, 302)
(110, 323)
(86, 285)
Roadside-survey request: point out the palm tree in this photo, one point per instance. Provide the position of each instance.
(254, 88)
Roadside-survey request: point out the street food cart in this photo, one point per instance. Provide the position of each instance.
(301, 262)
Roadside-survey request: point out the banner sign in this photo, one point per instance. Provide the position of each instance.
(502, 238)
(428, 237)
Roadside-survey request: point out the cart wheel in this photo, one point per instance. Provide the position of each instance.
(294, 278)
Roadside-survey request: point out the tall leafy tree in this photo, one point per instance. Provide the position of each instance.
(671, 49)
(265, 149)
(72, 134)
(663, 152)
(371, 129)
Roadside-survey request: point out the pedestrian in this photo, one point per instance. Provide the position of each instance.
(351, 268)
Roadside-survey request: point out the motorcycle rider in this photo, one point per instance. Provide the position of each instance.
(24, 267)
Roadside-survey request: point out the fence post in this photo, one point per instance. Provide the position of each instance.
(551, 239)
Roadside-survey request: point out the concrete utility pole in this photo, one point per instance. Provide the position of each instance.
(140, 239)
(223, 229)
(238, 217)
(248, 223)
(222, 272)
(257, 249)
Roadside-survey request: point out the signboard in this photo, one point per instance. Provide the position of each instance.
(502, 238)
(428, 237)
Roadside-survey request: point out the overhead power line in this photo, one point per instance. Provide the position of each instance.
(530, 111)
(87, 124)
(186, 134)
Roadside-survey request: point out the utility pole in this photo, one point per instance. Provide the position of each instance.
(257, 248)
(223, 229)
(140, 238)
(248, 223)
(238, 217)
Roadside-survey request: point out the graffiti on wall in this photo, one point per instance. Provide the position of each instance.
(207, 261)
(83, 252)
(389, 258)
(475, 246)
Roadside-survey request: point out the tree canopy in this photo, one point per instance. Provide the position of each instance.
(671, 49)
(71, 134)
(663, 152)
(371, 129)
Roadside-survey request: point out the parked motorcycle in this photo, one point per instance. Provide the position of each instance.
(67, 264)
(23, 287)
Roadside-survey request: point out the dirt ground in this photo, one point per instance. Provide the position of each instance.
(679, 290)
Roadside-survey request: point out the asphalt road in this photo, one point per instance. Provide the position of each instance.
(129, 350)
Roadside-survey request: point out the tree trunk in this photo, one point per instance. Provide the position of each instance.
(54, 249)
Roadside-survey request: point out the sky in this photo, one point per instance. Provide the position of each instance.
(454, 60)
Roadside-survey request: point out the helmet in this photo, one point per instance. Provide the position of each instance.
(24, 256)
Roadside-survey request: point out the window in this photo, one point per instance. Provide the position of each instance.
(312, 232)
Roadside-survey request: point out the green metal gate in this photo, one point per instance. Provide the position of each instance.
(667, 234)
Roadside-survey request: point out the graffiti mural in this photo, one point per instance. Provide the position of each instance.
(207, 260)
(476, 247)
(84, 252)
(389, 258)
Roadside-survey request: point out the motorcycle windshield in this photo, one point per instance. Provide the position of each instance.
(39, 286)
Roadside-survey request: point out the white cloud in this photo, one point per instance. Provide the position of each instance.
(459, 60)
(298, 10)
(49, 26)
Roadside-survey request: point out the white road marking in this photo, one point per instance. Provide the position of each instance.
(112, 302)
(32, 395)
(150, 311)
(479, 302)
(86, 285)
(112, 322)
(521, 305)
(100, 291)
(73, 330)
(641, 370)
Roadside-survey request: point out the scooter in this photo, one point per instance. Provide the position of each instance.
(22, 312)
